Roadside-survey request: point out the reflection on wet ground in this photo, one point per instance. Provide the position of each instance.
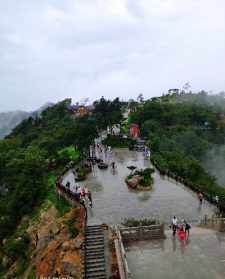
(113, 201)
(200, 256)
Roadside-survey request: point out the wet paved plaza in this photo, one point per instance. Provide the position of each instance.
(201, 257)
(113, 201)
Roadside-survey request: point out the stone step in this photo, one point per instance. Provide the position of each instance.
(100, 260)
(91, 270)
(94, 232)
(93, 226)
(94, 252)
(92, 239)
(94, 243)
(95, 257)
(95, 265)
(94, 236)
(94, 246)
(95, 249)
(99, 275)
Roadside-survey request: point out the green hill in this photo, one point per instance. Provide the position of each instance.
(182, 129)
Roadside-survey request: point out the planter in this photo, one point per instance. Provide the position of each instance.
(80, 178)
(102, 166)
(134, 184)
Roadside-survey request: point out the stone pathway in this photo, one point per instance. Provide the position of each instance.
(201, 256)
(95, 253)
(113, 201)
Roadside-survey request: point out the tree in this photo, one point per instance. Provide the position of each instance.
(140, 98)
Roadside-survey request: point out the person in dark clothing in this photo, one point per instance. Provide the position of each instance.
(90, 198)
(36, 239)
(200, 197)
(187, 228)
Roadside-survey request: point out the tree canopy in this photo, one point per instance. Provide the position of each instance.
(181, 129)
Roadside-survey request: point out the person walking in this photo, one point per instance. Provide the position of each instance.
(200, 197)
(113, 165)
(174, 225)
(216, 200)
(187, 228)
(90, 198)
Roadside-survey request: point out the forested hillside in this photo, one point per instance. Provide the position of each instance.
(182, 130)
(8, 120)
(32, 156)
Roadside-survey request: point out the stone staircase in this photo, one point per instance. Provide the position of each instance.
(140, 145)
(94, 253)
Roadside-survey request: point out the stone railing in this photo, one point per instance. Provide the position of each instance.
(214, 222)
(142, 233)
(73, 200)
(130, 234)
(121, 256)
(191, 185)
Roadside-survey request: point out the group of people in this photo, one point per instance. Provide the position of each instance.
(181, 228)
(82, 194)
(100, 148)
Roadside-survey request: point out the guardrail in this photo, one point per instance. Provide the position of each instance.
(195, 188)
(217, 223)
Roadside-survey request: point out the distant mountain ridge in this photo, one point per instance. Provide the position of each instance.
(9, 120)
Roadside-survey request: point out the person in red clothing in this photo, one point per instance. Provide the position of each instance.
(181, 233)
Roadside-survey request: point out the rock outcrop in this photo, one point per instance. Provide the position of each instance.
(134, 181)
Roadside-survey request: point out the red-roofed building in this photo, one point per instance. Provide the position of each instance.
(134, 130)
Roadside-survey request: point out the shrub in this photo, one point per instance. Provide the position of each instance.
(18, 247)
(118, 141)
(71, 225)
(131, 222)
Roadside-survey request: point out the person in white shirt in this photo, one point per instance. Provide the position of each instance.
(174, 224)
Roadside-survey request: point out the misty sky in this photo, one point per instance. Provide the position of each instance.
(50, 50)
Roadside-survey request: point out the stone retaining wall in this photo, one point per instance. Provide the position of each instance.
(131, 234)
(142, 233)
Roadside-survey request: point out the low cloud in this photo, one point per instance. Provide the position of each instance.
(52, 49)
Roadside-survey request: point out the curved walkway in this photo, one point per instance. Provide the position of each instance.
(113, 201)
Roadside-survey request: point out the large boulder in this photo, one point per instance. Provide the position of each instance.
(55, 228)
(6, 262)
(78, 243)
(134, 181)
(70, 265)
(66, 246)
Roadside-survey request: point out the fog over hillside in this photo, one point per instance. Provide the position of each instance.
(214, 162)
(9, 120)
